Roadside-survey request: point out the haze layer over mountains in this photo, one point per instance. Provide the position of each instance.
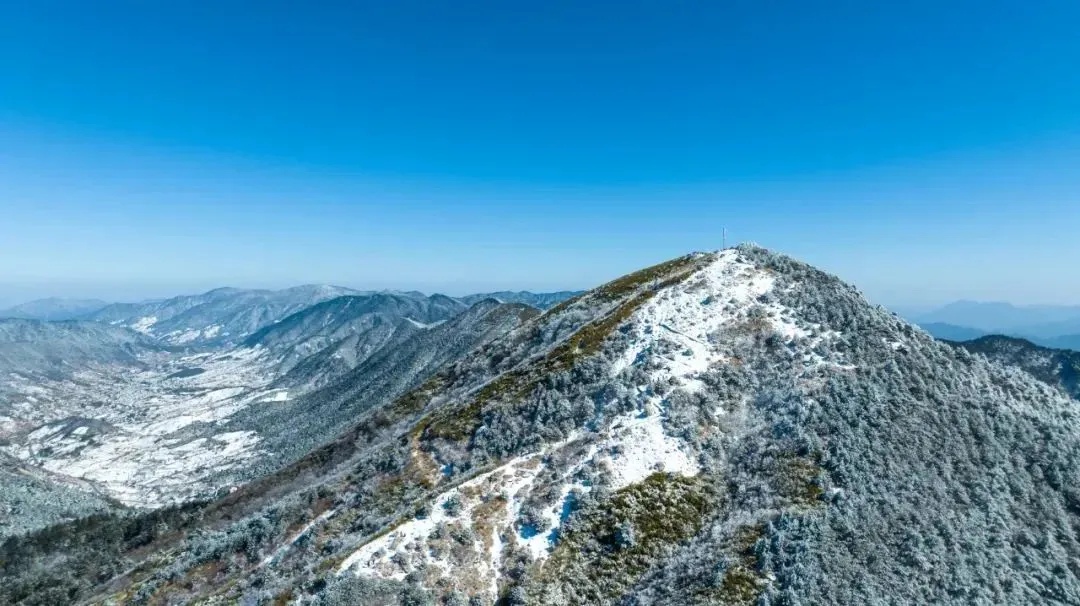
(1046, 325)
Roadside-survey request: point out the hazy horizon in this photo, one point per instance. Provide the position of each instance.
(11, 296)
(159, 150)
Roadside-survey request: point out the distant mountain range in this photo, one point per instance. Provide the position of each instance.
(1005, 317)
(325, 340)
(53, 308)
(951, 332)
(227, 316)
(403, 362)
(223, 315)
(1046, 325)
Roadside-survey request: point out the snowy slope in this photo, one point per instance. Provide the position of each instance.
(669, 340)
(32, 498)
(324, 341)
(745, 344)
(724, 428)
(33, 348)
(406, 359)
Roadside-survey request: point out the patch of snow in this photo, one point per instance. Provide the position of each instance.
(144, 324)
(639, 447)
(180, 337)
(632, 448)
(382, 557)
(725, 297)
(540, 544)
(140, 456)
(278, 395)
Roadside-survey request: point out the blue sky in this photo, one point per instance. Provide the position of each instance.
(923, 152)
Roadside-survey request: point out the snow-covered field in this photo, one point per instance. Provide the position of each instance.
(146, 436)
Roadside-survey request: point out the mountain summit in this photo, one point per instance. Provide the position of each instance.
(724, 428)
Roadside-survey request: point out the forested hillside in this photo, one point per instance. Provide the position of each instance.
(1057, 367)
(727, 428)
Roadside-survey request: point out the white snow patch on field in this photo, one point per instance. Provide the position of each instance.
(180, 337)
(144, 324)
(140, 454)
(278, 395)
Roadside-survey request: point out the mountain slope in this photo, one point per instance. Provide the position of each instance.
(1057, 367)
(355, 326)
(152, 428)
(53, 309)
(35, 347)
(728, 428)
(34, 353)
(31, 498)
(223, 315)
(412, 357)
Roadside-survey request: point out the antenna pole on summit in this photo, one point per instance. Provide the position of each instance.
(725, 238)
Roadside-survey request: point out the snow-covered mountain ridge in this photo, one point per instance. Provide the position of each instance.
(227, 316)
(725, 428)
(669, 337)
(220, 316)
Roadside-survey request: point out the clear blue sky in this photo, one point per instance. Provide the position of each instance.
(926, 151)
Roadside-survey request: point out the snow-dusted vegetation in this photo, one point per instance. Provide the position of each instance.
(117, 413)
(31, 498)
(729, 428)
(1057, 367)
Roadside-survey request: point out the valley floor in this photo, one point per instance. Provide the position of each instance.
(146, 437)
